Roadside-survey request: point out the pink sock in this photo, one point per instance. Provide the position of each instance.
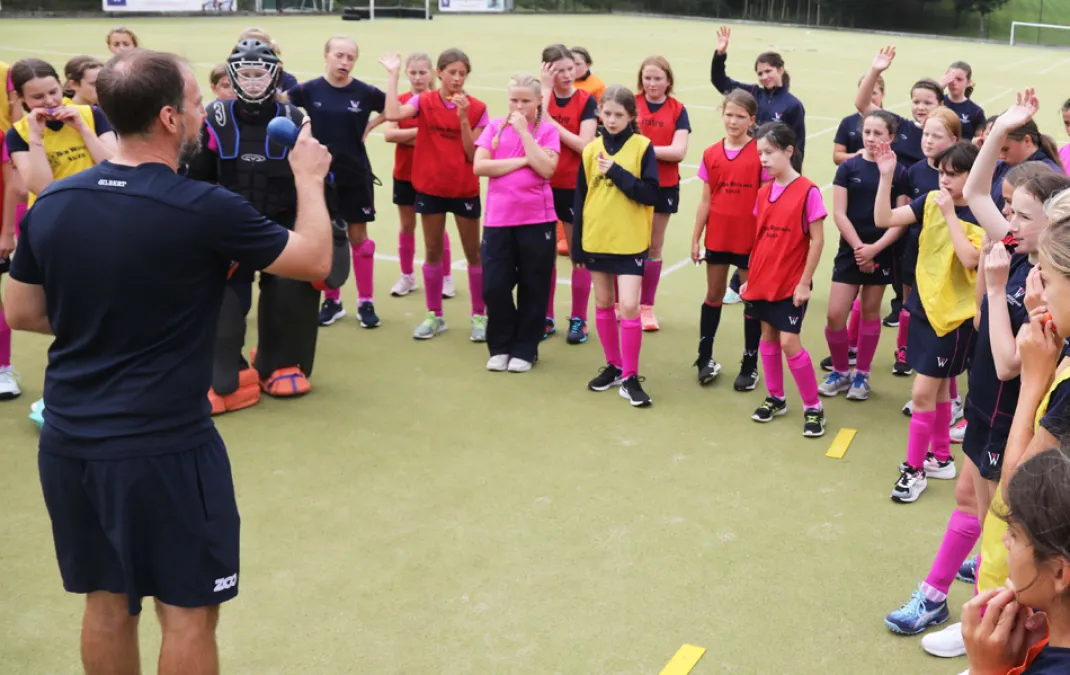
(334, 294)
(921, 434)
(433, 288)
(5, 342)
(954, 389)
(802, 369)
(475, 289)
(406, 251)
(651, 277)
(852, 324)
(963, 531)
(774, 368)
(553, 292)
(904, 328)
(838, 340)
(581, 291)
(869, 335)
(447, 257)
(631, 339)
(364, 270)
(606, 323)
(942, 431)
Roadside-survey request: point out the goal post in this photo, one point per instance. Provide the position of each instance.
(1045, 34)
(370, 10)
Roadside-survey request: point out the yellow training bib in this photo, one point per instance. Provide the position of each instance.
(993, 571)
(66, 151)
(944, 285)
(613, 223)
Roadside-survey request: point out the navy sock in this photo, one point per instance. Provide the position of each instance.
(711, 319)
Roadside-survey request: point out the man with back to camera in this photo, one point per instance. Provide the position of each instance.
(125, 264)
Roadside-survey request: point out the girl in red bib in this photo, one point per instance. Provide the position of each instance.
(575, 114)
(421, 76)
(448, 123)
(663, 120)
(787, 249)
(732, 173)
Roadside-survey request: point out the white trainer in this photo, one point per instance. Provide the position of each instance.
(947, 643)
(447, 287)
(405, 285)
(9, 385)
(498, 363)
(519, 366)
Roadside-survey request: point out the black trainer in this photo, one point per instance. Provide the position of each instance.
(368, 317)
(814, 423)
(747, 380)
(901, 367)
(608, 376)
(330, 312)
(852, 359)
(632, 389)
(708, 371)
(771, 407)
(892, 320)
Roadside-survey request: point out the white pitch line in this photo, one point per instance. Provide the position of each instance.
(1015, 64)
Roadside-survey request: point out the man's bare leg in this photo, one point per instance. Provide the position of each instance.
(189, 646)
(109, 636)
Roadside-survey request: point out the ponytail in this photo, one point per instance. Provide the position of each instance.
(1051, 149)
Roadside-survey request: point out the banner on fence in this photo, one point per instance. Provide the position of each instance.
(471, 5)
(150, 6)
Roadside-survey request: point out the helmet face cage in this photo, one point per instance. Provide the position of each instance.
(254, 81)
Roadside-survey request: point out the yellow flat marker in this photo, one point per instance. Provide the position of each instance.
(684, 660)
(841, 443)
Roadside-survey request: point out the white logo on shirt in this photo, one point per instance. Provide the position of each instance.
(354, 106)
(903, 136)
(965, 118)
(469, 206)
(111, 183)
(856, 180)
(317, 104)
(253, 158)
(852, 133)
(941, 361)
(777, 116)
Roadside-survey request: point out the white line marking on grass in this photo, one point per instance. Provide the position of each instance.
(1015, 64)
(1053, 66)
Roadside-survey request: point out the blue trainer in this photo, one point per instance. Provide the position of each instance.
(917, 615)
(968, 571)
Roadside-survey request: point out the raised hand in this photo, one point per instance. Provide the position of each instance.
(883, 60)
(886, 159)
(546, 76)
(723, 35)
(1021, 112)
(997, 266)
(391, 61)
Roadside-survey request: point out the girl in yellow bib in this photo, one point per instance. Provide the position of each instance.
(941, 332)
(616, 190)
(56, 138)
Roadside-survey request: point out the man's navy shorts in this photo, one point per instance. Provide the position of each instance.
(165, 526)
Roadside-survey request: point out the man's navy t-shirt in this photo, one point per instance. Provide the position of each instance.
(133, 261)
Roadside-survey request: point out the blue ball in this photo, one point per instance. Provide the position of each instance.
(283, 131)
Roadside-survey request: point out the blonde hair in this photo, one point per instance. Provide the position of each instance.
(341, 38)
(1054, 245)
(533, 85)
(422, 56)
(121, 30)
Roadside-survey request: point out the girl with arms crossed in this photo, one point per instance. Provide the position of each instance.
(519, 155)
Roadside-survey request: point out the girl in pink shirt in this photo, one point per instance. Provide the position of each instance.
(1064, 152)
(518, 154)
